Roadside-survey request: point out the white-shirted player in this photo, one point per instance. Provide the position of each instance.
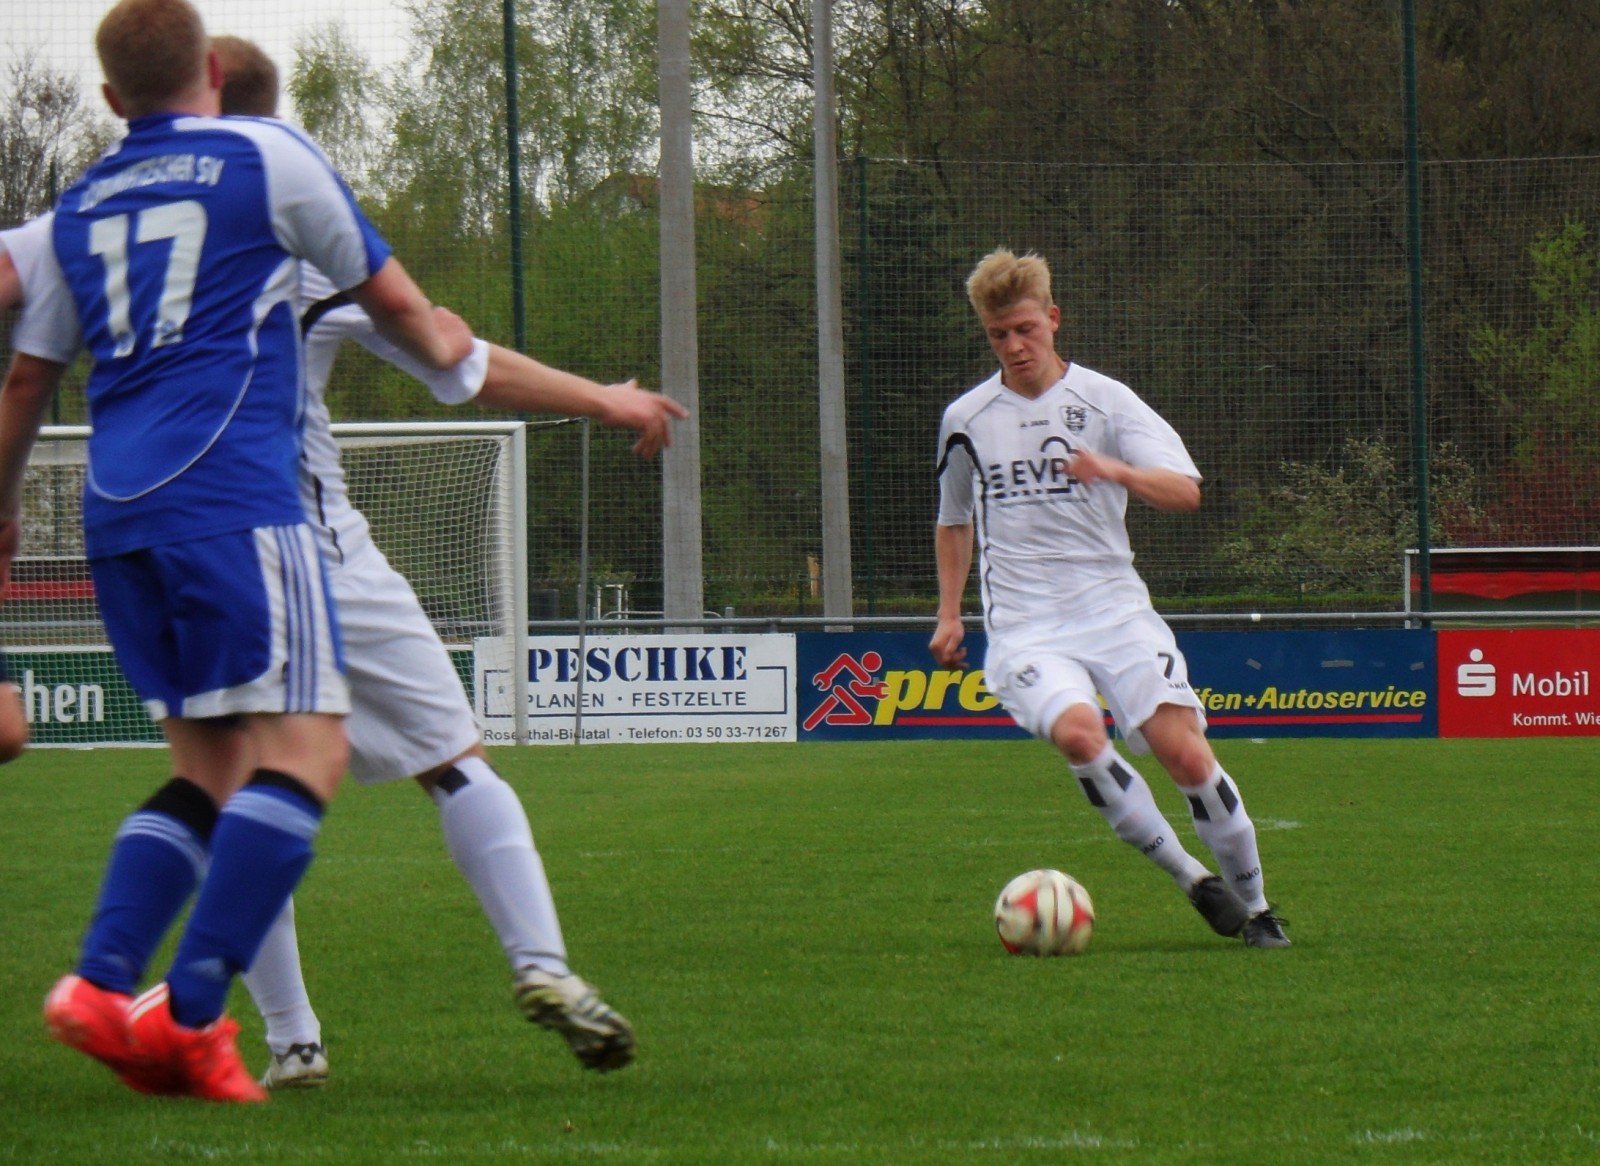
(409, 714)
(1039, 461)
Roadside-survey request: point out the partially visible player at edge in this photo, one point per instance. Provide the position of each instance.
(1039, 460)
(410, 716)
(13, 718)
(181, 250)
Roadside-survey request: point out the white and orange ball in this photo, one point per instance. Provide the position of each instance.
(1044, 912)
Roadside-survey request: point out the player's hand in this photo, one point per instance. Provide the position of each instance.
(648, 414)
(946, 645)
(1090, 467)
(455, 336)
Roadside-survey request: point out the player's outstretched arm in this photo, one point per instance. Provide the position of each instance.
(520, 384)
(400, 312)
(952, 549)
(29, 385)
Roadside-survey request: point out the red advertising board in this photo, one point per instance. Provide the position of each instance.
(1522, 683)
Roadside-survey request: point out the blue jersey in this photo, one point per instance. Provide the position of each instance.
(181, 249)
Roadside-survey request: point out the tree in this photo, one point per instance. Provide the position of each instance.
(585, 106)
(1509, 78)
(1343, 528)
(341, 101)
(1546, 381)
(47, 136)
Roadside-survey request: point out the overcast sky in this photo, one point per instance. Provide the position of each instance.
(63, 30)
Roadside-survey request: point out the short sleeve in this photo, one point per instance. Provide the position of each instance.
(956, 472)
(48, 327)
(314, 214)
(1146, 440)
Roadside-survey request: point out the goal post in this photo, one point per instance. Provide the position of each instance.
(447, 504)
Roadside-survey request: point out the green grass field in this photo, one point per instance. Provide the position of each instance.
(802, 936)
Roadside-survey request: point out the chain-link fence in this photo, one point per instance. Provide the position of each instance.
(1263, 308)
(1265, 311)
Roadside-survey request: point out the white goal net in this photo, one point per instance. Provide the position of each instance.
(447, 503)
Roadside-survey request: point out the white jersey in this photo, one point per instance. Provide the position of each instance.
(1051, 550)
(327, 318)
(47, 328)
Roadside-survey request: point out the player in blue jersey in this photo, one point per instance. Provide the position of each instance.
(403, 722)
(181, 249)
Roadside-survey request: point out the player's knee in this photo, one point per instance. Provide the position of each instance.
(1079, 738)
(1190, 761)
(13, 726)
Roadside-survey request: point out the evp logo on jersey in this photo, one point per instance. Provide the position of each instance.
(1033, 478)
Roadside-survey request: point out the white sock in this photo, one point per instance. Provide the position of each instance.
(1223, 825)
(486, 830)
(1115, 789)
(279, 990)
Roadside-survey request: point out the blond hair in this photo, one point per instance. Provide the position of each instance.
(1002, 279)
(249, 78)
(152, 51)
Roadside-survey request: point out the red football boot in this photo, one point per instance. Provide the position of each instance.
(204, 1061)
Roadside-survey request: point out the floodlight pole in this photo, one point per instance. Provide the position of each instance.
(519, 312)
(837, 598)
(1419, 371)
(682, 565)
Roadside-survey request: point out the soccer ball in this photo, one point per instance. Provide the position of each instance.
(1044, 912)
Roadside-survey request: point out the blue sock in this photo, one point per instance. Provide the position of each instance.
(157, 859)
(261, 847)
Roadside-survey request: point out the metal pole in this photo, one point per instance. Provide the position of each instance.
(519, 322)
(837, 599)
(864, 329)
(583, 581)
(1419, 379)
(519, 586)
(682, 565)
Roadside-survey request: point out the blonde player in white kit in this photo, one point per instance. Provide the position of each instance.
(1038, 461)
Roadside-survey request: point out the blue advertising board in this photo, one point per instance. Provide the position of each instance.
(862, 686)
(1351, 683)
(865, 686)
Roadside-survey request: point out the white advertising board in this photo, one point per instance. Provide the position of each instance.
(632, 689)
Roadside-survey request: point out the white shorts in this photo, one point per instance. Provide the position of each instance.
(1135, 665)
(408, 709)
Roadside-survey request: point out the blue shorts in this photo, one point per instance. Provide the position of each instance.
(236, 623)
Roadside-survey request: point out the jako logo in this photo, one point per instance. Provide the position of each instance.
(1475, 678)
